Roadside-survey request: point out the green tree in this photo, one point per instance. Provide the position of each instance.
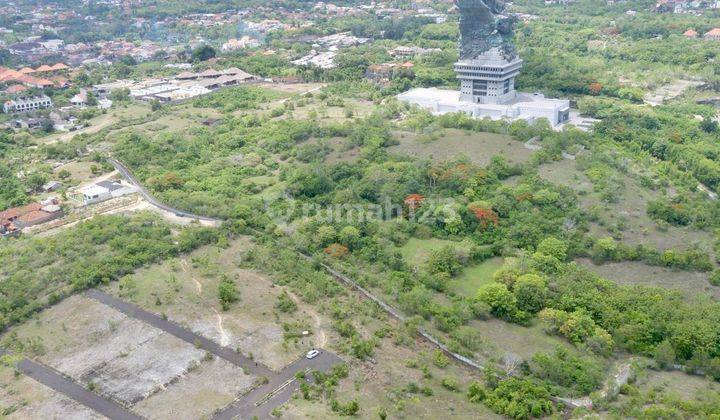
(203, 52)
(501, 301)
(530, 292)
(227, 293)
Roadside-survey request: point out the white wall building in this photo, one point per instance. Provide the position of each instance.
(27, 104)
(487, 90)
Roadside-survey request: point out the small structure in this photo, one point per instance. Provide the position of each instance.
(51, 186)
(690, 33)
(713, 35)
(27, 104)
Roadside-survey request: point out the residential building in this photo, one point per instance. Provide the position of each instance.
(32, 214)
(690, 33)
(27, 104)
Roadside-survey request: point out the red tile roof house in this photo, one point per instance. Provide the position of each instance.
(690, 33)
(32, 214)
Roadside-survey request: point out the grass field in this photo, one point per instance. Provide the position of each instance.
(383, 384)
(471, 278)
(452, 143)
(416, 251)
(505, 339)
(112, 116)
(689, 283)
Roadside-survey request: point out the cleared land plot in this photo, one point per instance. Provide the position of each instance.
(383, 383)
(186, 291)
(475, 276)
(452, 143)
(210, 386)
(127, 359)
(689, 283)
(24, 398)
(341, 153)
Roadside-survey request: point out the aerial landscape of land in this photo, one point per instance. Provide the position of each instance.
(401, 209)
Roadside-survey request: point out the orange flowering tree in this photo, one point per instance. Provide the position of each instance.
(484, 213)
(336, 250)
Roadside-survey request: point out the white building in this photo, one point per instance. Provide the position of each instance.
(104, 190)
(27, 104)
(487, 90)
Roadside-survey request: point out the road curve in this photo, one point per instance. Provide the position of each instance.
(125, 172)
(71, 389)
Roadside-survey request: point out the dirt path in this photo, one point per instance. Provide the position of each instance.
(198, 285)
(224, 337)
(321, 340)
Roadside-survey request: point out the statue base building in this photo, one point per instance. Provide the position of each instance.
(487, 90)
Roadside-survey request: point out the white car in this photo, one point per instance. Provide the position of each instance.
(312, 354)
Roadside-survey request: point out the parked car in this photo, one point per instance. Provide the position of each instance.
(312, 354)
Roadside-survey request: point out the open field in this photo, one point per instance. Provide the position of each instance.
(689, 283)
(383, 383)
(452, 143)
(112, 116)
(675, 382)
(416, 251)
(503, 339)
(186, 291)
(627, 216)
(474, 276)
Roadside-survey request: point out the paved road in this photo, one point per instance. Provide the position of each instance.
(131, 179)
(73, 390)
(182, 333)
(248, 406)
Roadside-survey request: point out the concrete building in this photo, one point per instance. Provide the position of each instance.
(487, 90)
(27, 104)
(489, 78)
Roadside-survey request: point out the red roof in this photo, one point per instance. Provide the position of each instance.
(59, 66)
(59, 81)
(713, 32)
(691, 33)
(15, 212)
(15, 89)
(26, 70)
(43, 68)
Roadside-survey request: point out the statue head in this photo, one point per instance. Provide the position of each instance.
(482, 27)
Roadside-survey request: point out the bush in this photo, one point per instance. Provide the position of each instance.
(227, 293)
